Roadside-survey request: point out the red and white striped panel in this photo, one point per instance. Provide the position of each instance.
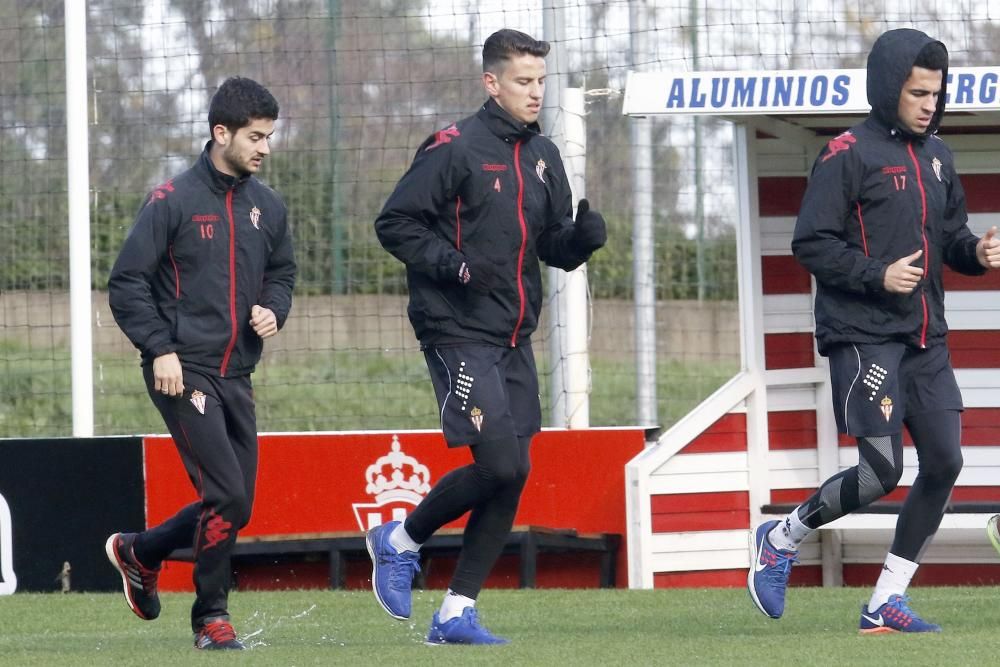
(699, 499)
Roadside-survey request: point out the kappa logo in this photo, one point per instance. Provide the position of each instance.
(839, 144)
(397, 482)
(255, 217)
(216, 530)
(160, 191)
(198, 401)
(444, 136)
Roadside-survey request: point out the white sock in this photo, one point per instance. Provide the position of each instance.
(401, 540)
(453, 605)
(895, 577)
(789, 532)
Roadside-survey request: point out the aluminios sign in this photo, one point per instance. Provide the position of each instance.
(787, 92)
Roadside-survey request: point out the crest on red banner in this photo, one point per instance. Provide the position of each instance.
(397, 483)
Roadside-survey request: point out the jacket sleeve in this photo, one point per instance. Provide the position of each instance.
(819, 241)
(130, 292)
(279, 277)
(556, 246)
(959, 246)
(409, 225)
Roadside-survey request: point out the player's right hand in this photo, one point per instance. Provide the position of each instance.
(168, 377)
(478, 274)
(900, 277)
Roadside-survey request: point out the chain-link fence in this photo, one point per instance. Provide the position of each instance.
(361, 84)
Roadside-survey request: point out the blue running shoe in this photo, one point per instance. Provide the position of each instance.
(392, 571)
(769, 571)
(464, 629)
(894, 616)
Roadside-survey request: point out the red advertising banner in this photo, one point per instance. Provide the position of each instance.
(332, 482)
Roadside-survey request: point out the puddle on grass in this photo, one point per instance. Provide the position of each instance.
(265, 623)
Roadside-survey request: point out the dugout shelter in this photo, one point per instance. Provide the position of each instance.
(767, 438)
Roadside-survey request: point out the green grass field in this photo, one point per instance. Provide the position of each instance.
(548, 627)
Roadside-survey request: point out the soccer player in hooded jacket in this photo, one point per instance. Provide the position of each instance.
(883, 213)
(204, 276)
(484, 200)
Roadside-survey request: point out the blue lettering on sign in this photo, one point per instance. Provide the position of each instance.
(817, 95)
(697, 97)
(988, 88)
(743, 91)
(720, 89)
(783, 91)
(675, 100)
(802, 92)
(964, 93)
(765, 84)
(841, 92)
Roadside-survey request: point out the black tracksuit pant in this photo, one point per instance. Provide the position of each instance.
(214, 427)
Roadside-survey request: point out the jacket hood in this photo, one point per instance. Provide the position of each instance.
(889, 65)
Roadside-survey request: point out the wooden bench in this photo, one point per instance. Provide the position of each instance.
(524, 541)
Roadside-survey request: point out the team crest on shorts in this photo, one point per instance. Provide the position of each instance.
(198, 401)
(255, 217)
(886, 406)
(476, 415)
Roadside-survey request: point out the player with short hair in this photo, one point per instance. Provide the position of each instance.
(883, 213)
(484, 200)
(204, 276)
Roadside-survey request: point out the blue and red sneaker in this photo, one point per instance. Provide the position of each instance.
(769, 571)
(894, 616)
(138, 581)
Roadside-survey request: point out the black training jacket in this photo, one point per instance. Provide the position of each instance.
(878, 193)
(204, 249)
(488, 187)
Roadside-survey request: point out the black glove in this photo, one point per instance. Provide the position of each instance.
(590, 231)
(478, 274)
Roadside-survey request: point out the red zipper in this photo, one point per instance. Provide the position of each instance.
(232, 284)
(177, 272)
(864, 238)
(524, 241)
(923, 236)
(458, 223)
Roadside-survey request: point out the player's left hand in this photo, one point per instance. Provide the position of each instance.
(590, 231)
(988, 249)
(263, 321)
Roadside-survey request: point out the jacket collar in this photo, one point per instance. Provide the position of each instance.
(216, 180)
(505, 126)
